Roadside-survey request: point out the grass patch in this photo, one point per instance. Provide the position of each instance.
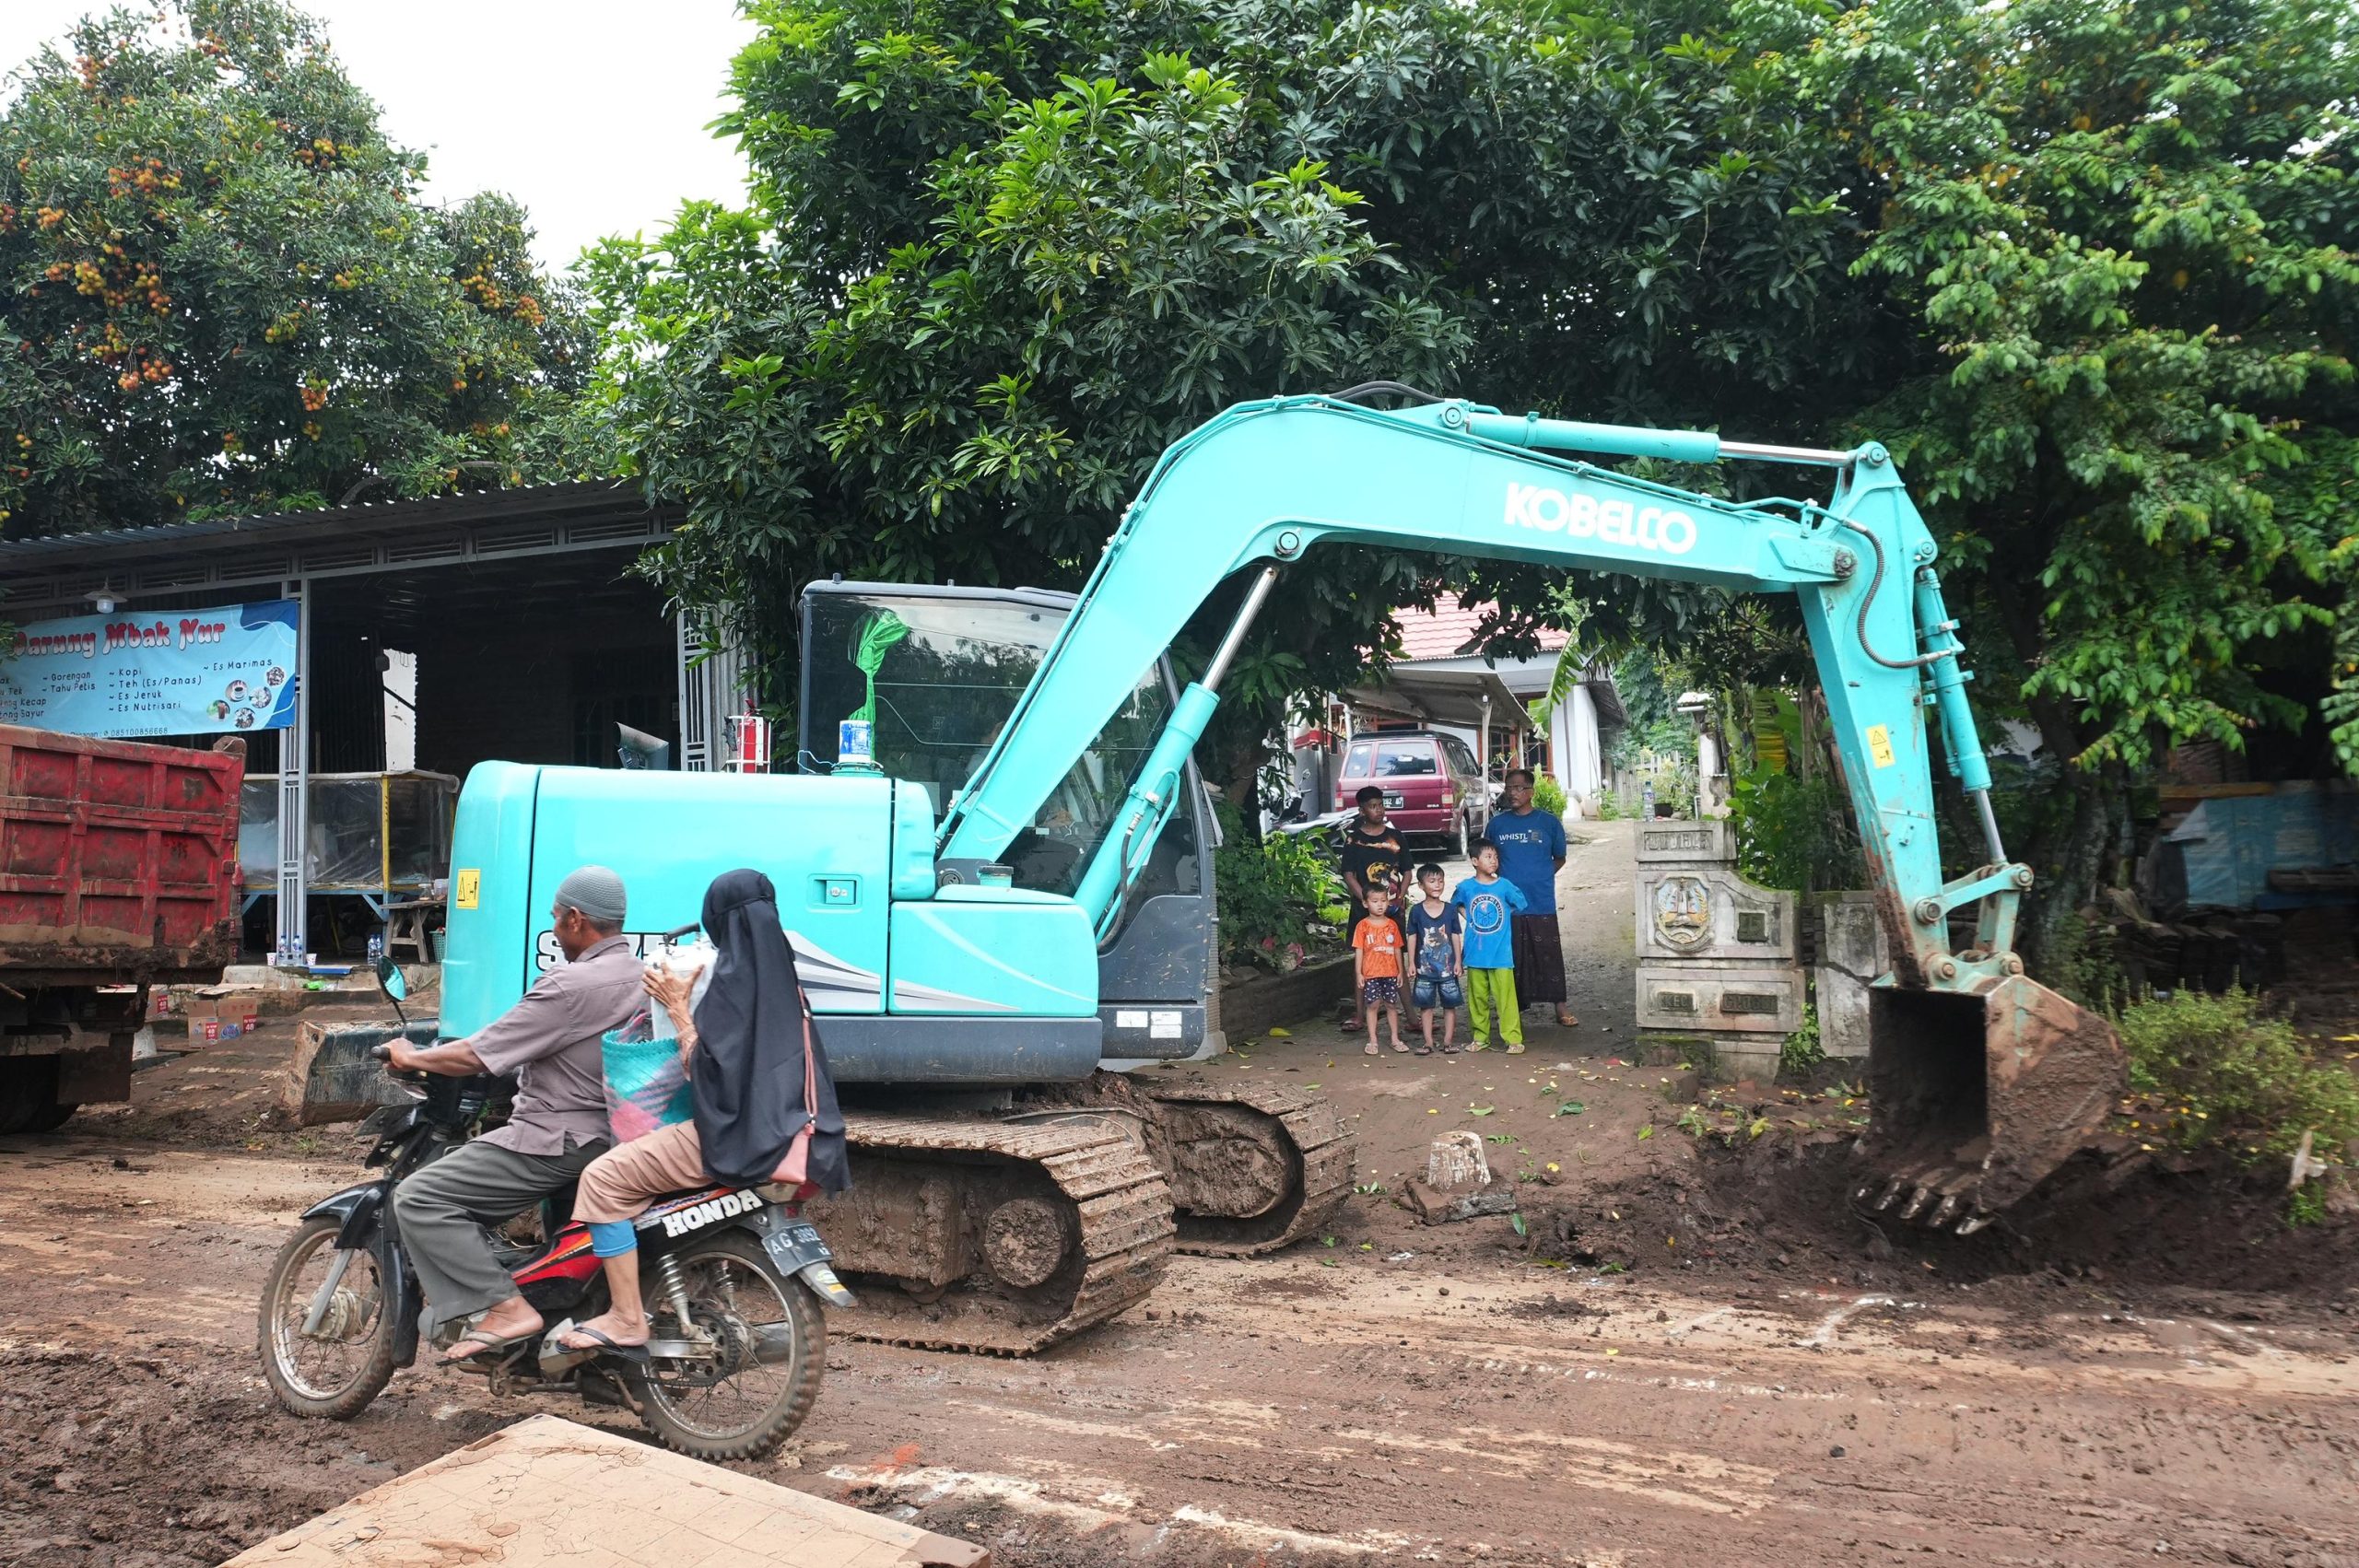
(2221, 1071)
(1802, 1053)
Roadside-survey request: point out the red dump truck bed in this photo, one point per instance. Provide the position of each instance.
(118, 860)
(118, 867)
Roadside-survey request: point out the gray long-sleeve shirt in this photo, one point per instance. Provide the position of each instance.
(551, 1041)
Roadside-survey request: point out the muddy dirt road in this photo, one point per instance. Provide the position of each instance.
(1688, 1357)
(1344, 1403)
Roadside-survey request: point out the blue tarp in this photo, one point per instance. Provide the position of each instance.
(2223, 853)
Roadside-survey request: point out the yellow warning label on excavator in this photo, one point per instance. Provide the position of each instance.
(467, 888)
(1879, 747)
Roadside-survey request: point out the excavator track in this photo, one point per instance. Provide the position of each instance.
(996, 1237)
(1302, 1133)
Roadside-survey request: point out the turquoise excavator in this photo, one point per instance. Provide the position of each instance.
(1001, 897)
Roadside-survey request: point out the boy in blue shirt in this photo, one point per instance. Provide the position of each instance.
(1532, 851)
(1489, 903)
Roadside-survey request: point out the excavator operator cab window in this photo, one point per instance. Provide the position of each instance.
(936, 672)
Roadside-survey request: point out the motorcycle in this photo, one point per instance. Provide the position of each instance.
(734, 1280)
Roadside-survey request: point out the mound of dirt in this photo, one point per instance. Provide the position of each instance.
(2208, 1222)
(2133, 1225)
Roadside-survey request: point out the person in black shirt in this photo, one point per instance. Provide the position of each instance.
(1371, 858)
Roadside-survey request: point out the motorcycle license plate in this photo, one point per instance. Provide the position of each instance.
(1395, 801)
(795, 1246)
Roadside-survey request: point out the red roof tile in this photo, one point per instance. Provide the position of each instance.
(1447, 631)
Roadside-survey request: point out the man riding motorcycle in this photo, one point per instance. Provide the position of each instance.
(551, 1041)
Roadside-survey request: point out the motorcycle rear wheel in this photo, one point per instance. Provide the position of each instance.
(331, 1376)
(751, 1406)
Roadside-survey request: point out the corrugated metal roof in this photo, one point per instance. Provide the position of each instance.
(360, 518)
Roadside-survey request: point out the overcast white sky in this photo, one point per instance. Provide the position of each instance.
(591, 113)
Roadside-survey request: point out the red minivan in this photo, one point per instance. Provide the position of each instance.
(1432, 789)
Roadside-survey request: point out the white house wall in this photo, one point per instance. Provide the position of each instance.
(1584, 766)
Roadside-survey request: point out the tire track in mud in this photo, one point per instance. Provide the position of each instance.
(2024, 1458)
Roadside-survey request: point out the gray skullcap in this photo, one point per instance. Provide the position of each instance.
(596, 892)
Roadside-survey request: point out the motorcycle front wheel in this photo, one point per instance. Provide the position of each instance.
(335, 1370)
(763, 1350)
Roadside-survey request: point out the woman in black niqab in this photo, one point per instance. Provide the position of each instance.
(747, 1065)
(745, 1040)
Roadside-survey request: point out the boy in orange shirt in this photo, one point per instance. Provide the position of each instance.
(1376, 967)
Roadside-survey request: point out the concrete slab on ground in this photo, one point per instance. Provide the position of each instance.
(549, 1491)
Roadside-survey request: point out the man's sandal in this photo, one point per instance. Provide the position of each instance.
(485, 1345)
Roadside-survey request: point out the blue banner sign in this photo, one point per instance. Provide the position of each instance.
(155, 672)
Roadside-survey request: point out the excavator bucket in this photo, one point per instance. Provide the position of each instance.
(1975, 1097)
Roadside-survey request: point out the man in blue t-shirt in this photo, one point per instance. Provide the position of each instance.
(1532, 851)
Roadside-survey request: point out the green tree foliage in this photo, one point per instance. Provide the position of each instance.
(998, 257)
(218, 293)
(1280, 898)
(2125, 230)
(2083, 264)
(1794, 832)
(1648, 702)
(1549, 795)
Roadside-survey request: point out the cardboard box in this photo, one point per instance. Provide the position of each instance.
(223, 1004)
(547, 1491)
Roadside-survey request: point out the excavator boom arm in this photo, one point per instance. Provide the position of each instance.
(1981, 1081)
(1265, 481)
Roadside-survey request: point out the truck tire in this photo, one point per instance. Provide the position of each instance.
(49, 1117)
(28, 1101)
(28, 1094)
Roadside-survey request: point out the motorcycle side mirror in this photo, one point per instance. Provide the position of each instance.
(390, 978)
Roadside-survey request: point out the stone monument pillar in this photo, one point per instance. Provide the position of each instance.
(1716, 953)
(1851, 951)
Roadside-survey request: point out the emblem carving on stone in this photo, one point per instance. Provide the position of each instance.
(1684, 911)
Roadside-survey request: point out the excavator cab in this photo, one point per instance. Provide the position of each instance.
(935, 672)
